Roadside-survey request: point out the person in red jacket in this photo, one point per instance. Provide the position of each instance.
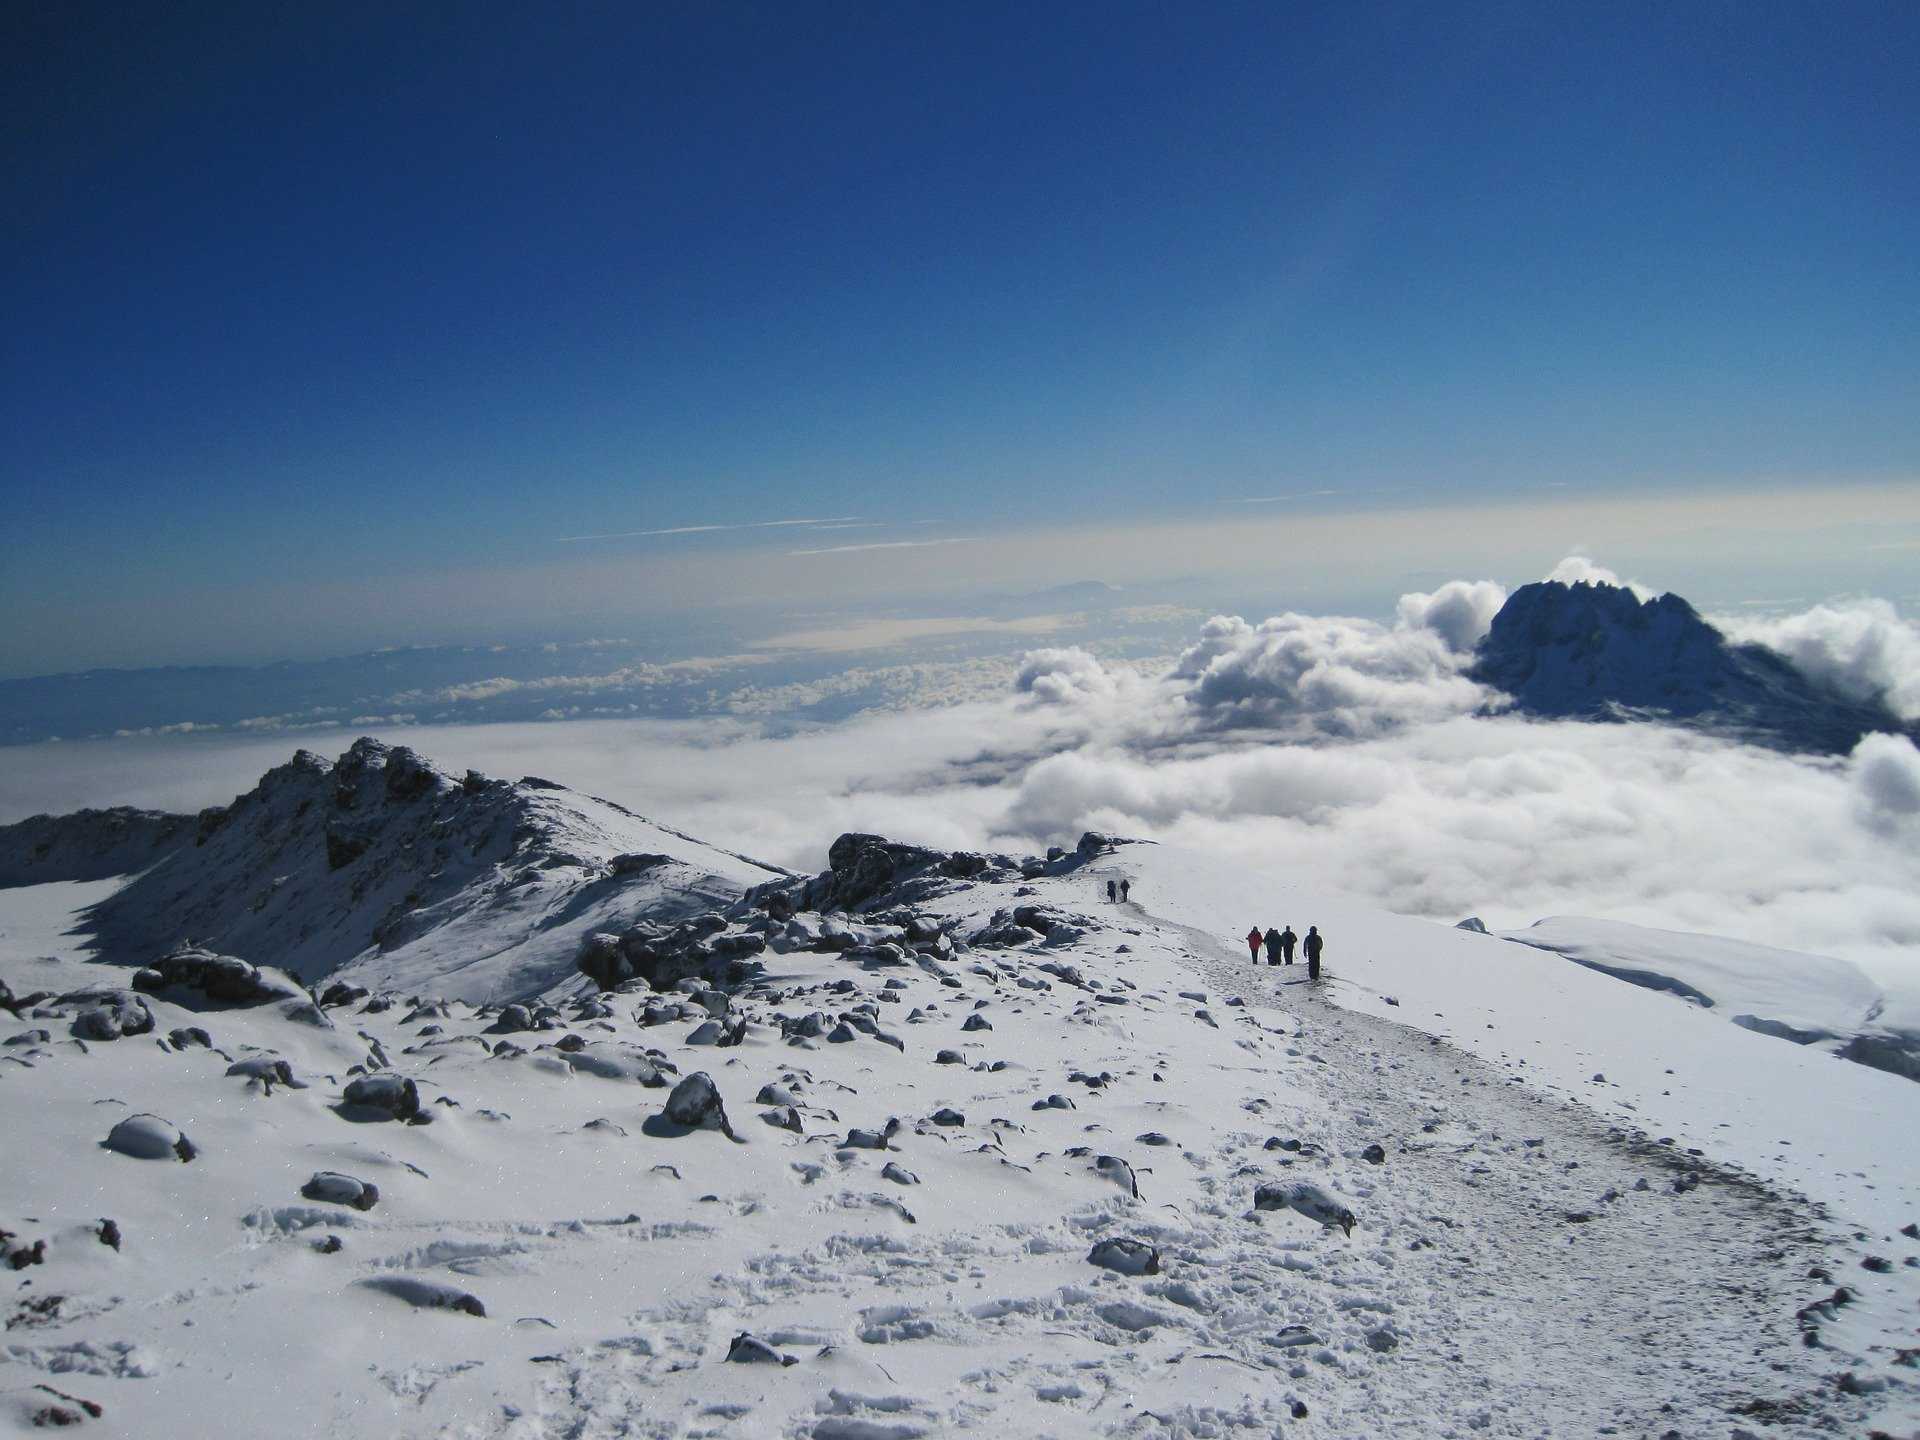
(1253, 943)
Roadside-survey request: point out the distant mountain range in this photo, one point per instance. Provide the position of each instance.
(1598, 652)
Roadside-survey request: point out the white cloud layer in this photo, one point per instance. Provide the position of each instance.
(1331, 753)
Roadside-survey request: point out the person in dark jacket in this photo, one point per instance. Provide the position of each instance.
(1112, 890)
(1272, 939)
(1253, 944)
(1287, 941)
(1126, 888)
(1313, 943)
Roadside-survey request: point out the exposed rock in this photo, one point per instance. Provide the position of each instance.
(1599, 652)
(334, 1188)
(222, 979)
(148, 1137)
(749, 1349)
(269, 1069)
(1473, 923)
(109, 1014)
(695, 1105)
(394, 1096)
(342, 993)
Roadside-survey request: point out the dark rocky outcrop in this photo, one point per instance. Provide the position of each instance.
(222, 979)
(1599, 652)
(392, 1096)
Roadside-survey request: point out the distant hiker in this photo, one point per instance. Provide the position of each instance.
(1111, 890)
(1125, 887)
(1313, 952)
(1272, 939)
(1253, 944)
(1287, 941)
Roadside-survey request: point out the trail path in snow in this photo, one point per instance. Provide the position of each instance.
(1669, 1307)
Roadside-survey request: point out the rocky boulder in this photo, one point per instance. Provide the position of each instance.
(222, 979)
(148, 1137)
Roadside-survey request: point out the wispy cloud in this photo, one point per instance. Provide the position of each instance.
(883, 545)
(1282, 499)
(832, 522)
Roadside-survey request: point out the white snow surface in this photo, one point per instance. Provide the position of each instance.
(1508, 1275)
(1819, 996)
(1795, 1116)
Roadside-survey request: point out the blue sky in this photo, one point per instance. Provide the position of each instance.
(311, 302)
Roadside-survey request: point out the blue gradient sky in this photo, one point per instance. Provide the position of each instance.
(309, 298)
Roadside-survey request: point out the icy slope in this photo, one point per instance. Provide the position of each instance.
(383, 868)
(902, 1209)
(1808, 999)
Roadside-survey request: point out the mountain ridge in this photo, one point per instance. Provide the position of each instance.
(1594, 651)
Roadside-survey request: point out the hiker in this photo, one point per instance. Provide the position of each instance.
(1313, 943)
(1111, 887)
(1253, 944)
(1125, 886)
(1287, 941)
(1272, 939)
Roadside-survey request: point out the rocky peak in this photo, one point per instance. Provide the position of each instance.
(1592, 651)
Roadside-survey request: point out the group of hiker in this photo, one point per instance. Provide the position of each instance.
(1279, 947)
(1117, 890)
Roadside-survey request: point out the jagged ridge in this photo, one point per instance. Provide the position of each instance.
(1591, 651)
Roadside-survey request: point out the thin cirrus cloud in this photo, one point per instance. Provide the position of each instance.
(1283, 499)
(832, 522)
(883, 545)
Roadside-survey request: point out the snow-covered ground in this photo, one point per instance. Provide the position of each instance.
(1509, 1274)
(1810, 999)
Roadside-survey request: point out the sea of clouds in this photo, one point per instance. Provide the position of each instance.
(1342, 753)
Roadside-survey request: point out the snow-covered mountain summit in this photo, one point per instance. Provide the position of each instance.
(1593, 651)
(383, 865)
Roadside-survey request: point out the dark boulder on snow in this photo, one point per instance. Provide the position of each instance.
(221, 979)
(342, 993)
(270, 1070)
(108, 1014)
(334, 1188)
(1125, 1256)
(694, 1104)
(148, 1137)
(750, 1349)
(1473, 923)
(392, 1097)
(700, 948)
